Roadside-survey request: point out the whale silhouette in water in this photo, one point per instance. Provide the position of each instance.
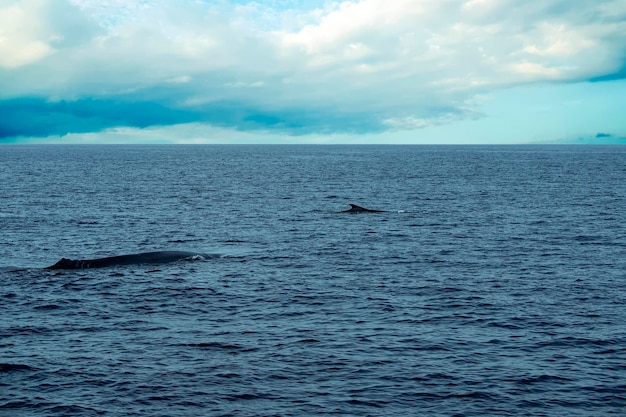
(160, 257)
(358, 209)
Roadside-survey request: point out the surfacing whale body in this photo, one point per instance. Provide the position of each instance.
(160, 257)
(358, 209)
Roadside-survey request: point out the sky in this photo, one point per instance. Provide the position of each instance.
(314, 71)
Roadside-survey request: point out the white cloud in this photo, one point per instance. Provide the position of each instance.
(189, 133)
(23, 40)
(405, 63)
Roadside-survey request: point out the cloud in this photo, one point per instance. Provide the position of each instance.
(33, 30)
(36, 117)
(340, 67)
(599, 139)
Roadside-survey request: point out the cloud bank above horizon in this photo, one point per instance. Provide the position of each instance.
(289, 68)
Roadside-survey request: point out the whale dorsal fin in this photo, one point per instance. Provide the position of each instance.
(358, 209)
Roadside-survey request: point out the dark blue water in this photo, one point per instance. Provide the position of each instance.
(494, 283)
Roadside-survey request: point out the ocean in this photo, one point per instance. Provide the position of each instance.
(493, 284)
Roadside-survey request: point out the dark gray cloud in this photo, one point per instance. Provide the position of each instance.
(36, 117)
(613, 76)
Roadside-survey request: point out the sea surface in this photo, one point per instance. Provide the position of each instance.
(494, 284)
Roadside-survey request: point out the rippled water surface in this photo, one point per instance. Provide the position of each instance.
(493, 284)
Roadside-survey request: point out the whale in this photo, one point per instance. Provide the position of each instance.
(358, 209)
(159, 257)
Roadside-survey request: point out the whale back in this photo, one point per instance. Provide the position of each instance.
(159, 257)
